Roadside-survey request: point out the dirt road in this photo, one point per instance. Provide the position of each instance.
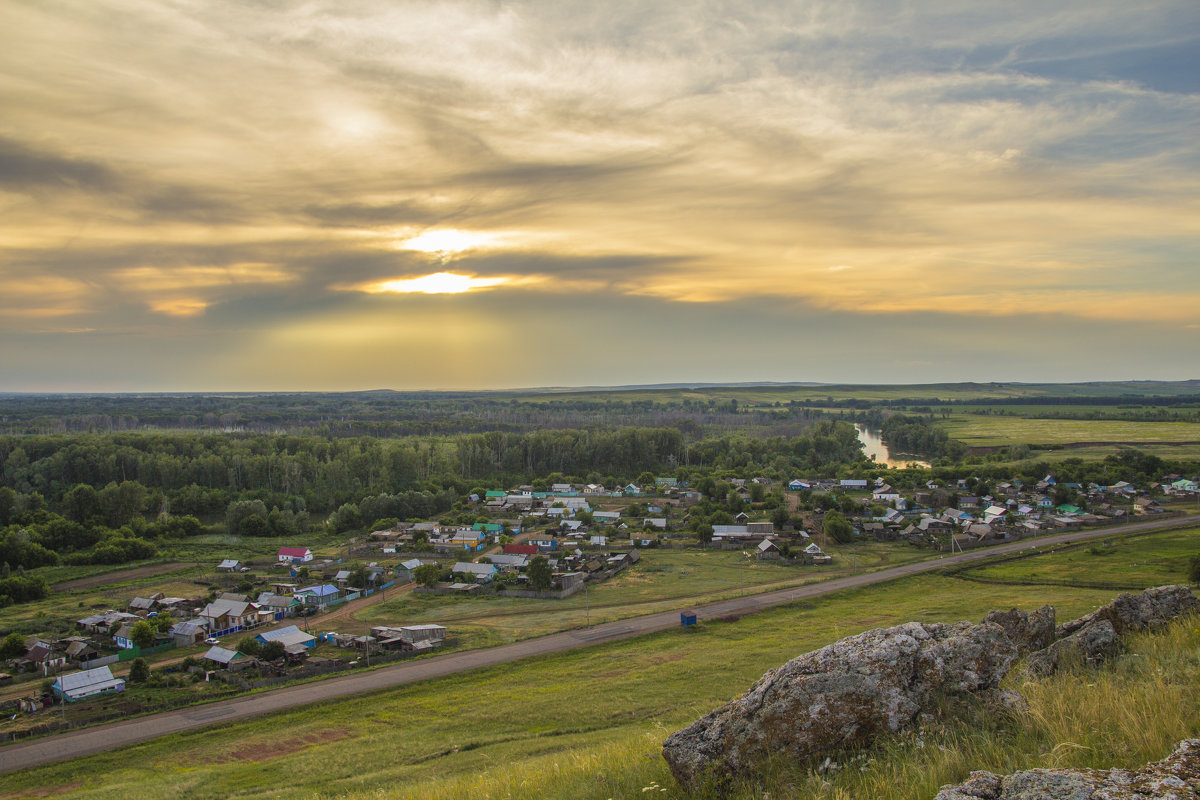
(120, 576)
(108, 737)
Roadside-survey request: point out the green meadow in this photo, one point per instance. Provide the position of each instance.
(1133, 562)
(662, 580)
(986, 431)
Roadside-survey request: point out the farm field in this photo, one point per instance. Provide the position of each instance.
(868, 392)
(437, 739)
(659, 582)
(1134, 562)
(984, 431)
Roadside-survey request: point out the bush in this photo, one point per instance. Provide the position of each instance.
(13, 646)
(139, 671)
(273, 651)
(1194, 569)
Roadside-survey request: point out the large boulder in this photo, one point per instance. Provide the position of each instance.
(1149, 610)
(1094, 644)
(1029, 631)
(843, 694)
(1176, 777)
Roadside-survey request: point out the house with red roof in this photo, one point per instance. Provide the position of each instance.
(520, 549)
(295, 555)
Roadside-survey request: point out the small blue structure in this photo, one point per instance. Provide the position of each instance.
(687, 618)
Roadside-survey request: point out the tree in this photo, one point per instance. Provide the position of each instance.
(539, 573)
(427, 574)
(705, 534)
(139, 671)
(780, 517)
(142, 634)
(249, 645)
(273, 651)
(838, 527)
(358, 577)
(13, 646)
(1194, 569)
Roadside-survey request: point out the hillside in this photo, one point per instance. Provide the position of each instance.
(588, 724)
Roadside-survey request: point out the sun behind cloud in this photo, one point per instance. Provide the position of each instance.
(437, 283)
(447, 240)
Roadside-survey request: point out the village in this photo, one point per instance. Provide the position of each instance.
(258, 623)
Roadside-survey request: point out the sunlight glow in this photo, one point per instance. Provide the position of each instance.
(437, 283)
(448, 240)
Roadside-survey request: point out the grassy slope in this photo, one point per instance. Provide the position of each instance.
(587, 724)
(1134, 562)
(456, 727)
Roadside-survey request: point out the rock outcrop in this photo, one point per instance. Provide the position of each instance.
(1029, 631)
(1176, 777)
(846, 693)
(878, 682)
(1149, 610)
(1093, 644)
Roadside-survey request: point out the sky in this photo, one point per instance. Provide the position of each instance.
(211, 195)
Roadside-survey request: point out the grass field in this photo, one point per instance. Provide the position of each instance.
(1134, 562)
(584, 724)
(982, 431)
(659, 582)
(929, 391)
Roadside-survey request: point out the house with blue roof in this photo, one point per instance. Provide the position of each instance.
(318, 596)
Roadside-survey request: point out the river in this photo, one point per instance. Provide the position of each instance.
(875, 449)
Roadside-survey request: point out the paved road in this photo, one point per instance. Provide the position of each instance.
(108, 737)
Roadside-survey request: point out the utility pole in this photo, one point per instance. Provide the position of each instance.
(587, 609)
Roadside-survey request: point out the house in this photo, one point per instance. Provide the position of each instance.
(853, 484)
(521, 549)
(80, 650)
(318, 596)
(631, 489)
(767, 550)
(295, 555)
(291, 635)
(123, 637)
(278, 604)
(230, 565)
(88, 683)
(968, 501)
(188, 633)
(797, 485)
(423, 637)
(482, 573)
(144, 605)
(221, 657)
(993, 513)
(469, 539)
(101, 623)
(505, 562)
(544, 544)
(731, 531)
(224, 615)
(885, 494)
(599, 541)
(816, 555)
(605, 516)
(655, 522)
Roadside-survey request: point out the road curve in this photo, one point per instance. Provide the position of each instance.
(89, 741)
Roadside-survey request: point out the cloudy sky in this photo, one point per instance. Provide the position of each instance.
(245, 195)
